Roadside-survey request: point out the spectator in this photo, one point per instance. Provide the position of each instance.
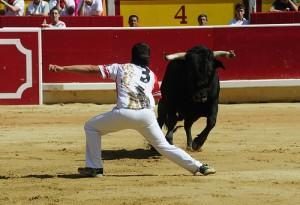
(90, 8)
(202, 20)
(76, 7)
(239, 15)
(133, 21)
(55, 22)
(66, 7)
(14, 7)
(38, 8)
(283, 5)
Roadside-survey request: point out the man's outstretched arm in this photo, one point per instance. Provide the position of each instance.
(75, 68)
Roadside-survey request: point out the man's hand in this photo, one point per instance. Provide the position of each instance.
(55, 68)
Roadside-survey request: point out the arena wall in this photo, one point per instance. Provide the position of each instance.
(20, 66)
(265, 69)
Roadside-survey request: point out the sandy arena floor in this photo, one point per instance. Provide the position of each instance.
(255, 149)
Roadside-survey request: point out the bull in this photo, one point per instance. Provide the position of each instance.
(190, 90)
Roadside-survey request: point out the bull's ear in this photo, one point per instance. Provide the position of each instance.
(218, 64)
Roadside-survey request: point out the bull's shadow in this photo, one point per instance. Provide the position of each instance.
(132, 154)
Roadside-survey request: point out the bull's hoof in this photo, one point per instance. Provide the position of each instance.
(196, 147)
(189, 148)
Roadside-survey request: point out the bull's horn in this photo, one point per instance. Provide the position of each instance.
(175, 56)
(228, 54)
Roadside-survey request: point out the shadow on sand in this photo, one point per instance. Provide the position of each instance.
(106, 155)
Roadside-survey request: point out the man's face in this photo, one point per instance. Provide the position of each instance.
(202, 21)
(133, 22)
(55, 15)
(240, 13)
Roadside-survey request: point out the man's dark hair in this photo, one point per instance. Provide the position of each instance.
(54, 9)
(132, 16)
(140, 54)
(202, 15)
(239, 6)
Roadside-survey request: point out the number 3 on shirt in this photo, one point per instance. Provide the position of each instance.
(145, 78)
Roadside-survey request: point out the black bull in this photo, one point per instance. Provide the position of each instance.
(190, 90)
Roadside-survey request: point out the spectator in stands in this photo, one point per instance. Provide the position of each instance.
(283, 5)
(133, 21)
(76, 7)
(239, 18)
(38, 8)
(202, 20)
(55, 22)
(90, 8)
(66, 7)
(14, 7)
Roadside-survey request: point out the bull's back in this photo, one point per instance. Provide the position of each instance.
(173, 78)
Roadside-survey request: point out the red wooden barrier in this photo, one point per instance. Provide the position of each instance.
(268, 53)
(71, 21)
(275, 17)
(20, 79)
(262, 52)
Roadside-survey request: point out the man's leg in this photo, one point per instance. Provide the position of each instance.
(94, 129)
(150, 129)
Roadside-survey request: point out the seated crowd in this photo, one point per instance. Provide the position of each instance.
(43, 8)
(95, 8)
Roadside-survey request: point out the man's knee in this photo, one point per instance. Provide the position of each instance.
(88, 126)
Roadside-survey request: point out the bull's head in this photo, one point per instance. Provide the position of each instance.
(201, 69)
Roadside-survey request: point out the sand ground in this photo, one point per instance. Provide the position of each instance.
(255, 149)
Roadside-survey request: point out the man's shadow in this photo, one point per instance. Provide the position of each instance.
(106, 155)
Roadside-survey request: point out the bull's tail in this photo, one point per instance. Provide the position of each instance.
(161, 112)
(175, 129)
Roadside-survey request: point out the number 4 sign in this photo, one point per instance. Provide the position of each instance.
(181, 15)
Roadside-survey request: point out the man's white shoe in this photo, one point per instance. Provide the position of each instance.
(205, 169)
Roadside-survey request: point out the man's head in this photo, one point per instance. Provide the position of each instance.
(239, 11)
(140, 54)
(54, 14)
(202, 19)
(133, 21)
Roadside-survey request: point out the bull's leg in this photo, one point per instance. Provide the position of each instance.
(210, 123)
(200, 139)
(169, 136)
(188, 131)
(171, 123)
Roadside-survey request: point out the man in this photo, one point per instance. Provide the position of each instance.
(239, 16)
(283, 5)
(133, 21)
(55, 22)
(90, 8)
(38, 8)
(135, 84)
(14, 7)
(202, 20)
